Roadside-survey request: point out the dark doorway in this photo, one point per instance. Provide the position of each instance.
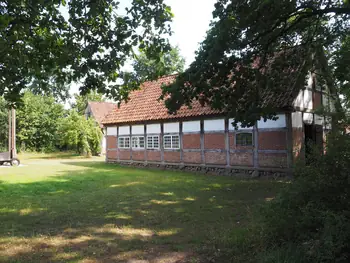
(313, 139)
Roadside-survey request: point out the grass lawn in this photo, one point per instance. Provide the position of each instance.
(78, 210)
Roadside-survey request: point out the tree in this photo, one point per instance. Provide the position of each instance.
(167, 63)
(253, 44)
(81, 101)
(3, 125)
(37, 125)
(79, 134)
(38, 43)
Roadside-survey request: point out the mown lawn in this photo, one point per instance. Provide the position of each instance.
(76, 210)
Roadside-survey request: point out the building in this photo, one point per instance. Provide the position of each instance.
(98, 111)
(142, 132)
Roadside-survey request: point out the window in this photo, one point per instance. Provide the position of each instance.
(153, 142)
(171, 142)
(244, 139)
(138, 142)
(124, 142)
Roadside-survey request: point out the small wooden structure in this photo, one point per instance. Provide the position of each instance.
(11, 155)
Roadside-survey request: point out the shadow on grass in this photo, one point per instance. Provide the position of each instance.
(107, 213)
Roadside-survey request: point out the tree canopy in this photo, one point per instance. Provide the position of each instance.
(81, 101)
(165, 64)
(239, 47)
(91, 46)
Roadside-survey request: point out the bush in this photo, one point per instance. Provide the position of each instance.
(312, 214)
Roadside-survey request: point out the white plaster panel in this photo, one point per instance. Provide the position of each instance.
(308, 118)
(299, 101)
(191, 126)
(309, 80)
(137, 129)
(297, 119)
(279, 123)
(124, 130)
(112, 131)
(239, 126)
(214, 125)
(319, 120)
(153, 128)
(308, 99)
(173, 127)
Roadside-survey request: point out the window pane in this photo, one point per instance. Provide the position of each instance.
(142, 142)
(127, 142)
(150, 142)
(244, 139)
(156, 142)
(175, 142)
(167, 142)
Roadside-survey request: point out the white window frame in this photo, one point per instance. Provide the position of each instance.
(123, 137)
(138, 145)
(152, 146)
(171, 142)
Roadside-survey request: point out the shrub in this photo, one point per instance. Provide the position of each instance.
(312, 214)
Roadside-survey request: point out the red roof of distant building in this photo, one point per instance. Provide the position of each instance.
(100, 110)
(144, 106)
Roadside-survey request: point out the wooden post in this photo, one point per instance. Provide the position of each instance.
(9, 134)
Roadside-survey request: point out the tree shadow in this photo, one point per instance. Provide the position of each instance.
(107, 213)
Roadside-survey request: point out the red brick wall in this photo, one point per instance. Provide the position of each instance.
(277, 160)
(154, 156)
(191, 141)
(241, 159)
(214, 141)
(272, 140)
(215, 158)
(138, 155)
(112, 154)
(112, 142)
(192, 157)
(124, 154)
(172, 157)
(317, 99)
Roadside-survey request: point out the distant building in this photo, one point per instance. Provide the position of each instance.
(98, 111)
(142, 131)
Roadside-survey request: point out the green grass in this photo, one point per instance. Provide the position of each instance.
(88, 211)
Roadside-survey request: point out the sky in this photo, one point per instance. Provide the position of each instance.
(190, 24)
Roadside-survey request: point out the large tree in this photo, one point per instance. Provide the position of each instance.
(165, 64)
(255, 45)
(38, 43)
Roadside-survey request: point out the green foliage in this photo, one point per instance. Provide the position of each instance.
(167, 63)
(36, 120)
(90, 45)
(79, 134)
(313, 212)
(81, 101)
(240, 46)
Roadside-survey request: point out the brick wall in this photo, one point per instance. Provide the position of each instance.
(276, 160)
(272, 140)
(214, 141)
(172, 157)
(218, 158)
(241, 159)
(191, 141)
(192, 157)
(112, 142)
(153, 156)
(317, 97)
(112, 154)
(124, 154)
(138, 155)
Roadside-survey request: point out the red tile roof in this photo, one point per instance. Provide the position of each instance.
(100, 110)
(144, 106)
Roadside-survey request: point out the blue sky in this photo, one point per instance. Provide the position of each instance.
(190, 23)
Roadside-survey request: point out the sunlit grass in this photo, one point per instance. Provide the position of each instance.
(78, 210)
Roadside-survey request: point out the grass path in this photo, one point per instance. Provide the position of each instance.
(78, 210)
